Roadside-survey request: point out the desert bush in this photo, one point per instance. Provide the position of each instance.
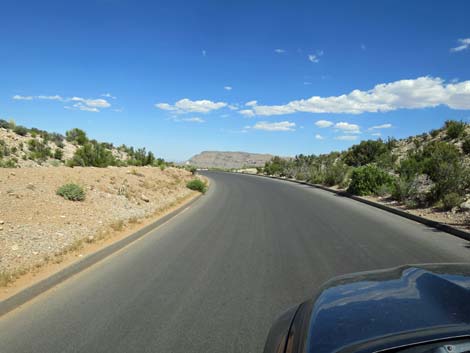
(454, 129)
(20, 130)
(77, 136)
(72, 192)
(413, 192)
(384, 190)
(276, 166)
(58, 154)
(434, 132)
(38, 150)
(451, 200)
(336, 173)
(197, 185)
(9, 163)
(92, 155)
(367, 179)
(4, 150)
(4, 124)
(442, 162)
(401, 189)
(466, 146)
(365, 153)
(316, 175)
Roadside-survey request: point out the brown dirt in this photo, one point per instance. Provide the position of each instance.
(38, 227)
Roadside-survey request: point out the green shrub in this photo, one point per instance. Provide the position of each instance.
(443, 163)
(455, 129)
(466, 146)
(336, 173)
(384, 190)
(4, 150)
(434, 132)
(92, 155)
(38, 150)
(9, 163)
(4, 124)
(77, 136)
(20, 130)
(366, 152)
(366, 180)
(401, 189)
(197, 185)
(451, 200)
(72, 192)
(58, 154)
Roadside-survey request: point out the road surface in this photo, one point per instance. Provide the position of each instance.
(215, 277)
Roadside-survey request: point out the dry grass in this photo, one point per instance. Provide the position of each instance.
(117, 226)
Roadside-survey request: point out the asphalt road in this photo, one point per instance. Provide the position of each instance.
(215, 277)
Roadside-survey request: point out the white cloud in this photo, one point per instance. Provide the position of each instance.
(383, 126)
(94, 103)
(313, 58)
(228, 88)
(108, 95)
(186, 105)
(232, 107)
(464, 45)
(348, 128)
(276, 126)
(194, 120)
(279, 51)
(251, 103)
(423, 92)
(22, 98)
(51, 98)
(247, 112)
(85, 104)
(319, 137)
(323, 123)
(81, 106)
(346, 138)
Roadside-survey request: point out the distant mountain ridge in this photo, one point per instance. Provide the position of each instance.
(229, 160)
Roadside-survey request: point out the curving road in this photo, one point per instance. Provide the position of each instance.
(214, 278)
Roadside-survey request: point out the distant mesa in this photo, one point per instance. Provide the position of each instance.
(229, 160)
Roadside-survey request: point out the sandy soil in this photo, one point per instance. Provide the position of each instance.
(38, 227)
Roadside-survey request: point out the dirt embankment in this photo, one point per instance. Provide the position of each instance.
(37, 226)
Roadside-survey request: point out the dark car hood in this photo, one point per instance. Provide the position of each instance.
(368, 306)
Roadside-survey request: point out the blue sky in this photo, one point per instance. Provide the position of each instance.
(176, 76)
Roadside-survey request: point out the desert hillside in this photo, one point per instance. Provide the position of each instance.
(31, 147)
(37, 225)
(426, 174)
(229, 160)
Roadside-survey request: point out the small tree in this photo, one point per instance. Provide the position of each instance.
(92, 155)
(455, 129)
(20, 130)
(77, 136)
(368, 179)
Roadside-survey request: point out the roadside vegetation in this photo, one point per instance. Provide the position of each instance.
(197, 185)
(72, 192)
(42, 147)
(429, 170)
